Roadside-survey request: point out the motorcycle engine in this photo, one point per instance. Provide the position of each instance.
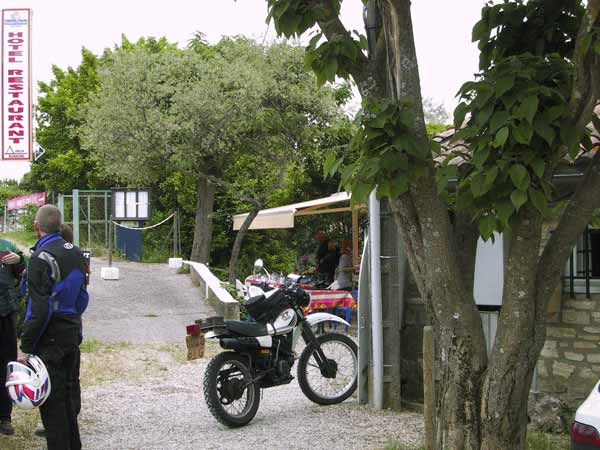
(284, 367)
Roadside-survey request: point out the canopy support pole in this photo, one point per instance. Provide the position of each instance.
(355, 232)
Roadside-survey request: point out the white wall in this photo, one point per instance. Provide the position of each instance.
(489, 271)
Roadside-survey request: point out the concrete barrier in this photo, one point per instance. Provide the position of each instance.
(212, 291)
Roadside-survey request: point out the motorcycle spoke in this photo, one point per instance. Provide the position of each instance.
(234, 374)
(347, 366)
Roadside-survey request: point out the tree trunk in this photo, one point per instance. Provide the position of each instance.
(203, 225)
(237, 244)
(505, 391)
(258, 204)
(424, 224)
(458, 332)
(480, 405)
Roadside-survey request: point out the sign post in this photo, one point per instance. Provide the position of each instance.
(110, 272)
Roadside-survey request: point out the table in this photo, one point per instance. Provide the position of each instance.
(329, 299)
(335, 301)
(321, 299)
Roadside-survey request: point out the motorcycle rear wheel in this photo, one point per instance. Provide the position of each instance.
(223, 380)
(329, 390)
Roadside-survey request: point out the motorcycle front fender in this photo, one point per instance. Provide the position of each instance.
(316, 318)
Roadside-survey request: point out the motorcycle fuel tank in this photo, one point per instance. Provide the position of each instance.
(285, 322)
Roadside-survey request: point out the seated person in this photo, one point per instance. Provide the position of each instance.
(345, 269)
(329, 263)
(322, 250)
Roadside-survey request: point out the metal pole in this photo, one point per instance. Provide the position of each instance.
(61, 206)
(178, 235)
(572, 273)
(364, 327)
(355, 232)
(110, 241)
(106, 234)
(175, 234)
(76, 217)
(4, 220)
(376, 302)
(586, 261)
(89, 223)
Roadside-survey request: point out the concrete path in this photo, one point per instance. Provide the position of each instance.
(149, 303)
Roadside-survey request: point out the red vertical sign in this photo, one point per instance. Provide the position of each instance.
(16, 115)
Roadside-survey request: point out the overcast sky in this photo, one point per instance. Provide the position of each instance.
(61, 28)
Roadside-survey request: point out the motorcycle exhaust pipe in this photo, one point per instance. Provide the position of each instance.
(247, 345)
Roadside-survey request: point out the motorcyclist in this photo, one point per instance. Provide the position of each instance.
(57, 298)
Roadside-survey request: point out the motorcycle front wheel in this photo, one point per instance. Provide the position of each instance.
(333, 379)
(228, 394)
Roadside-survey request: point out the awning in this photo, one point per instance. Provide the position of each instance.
(283, 216)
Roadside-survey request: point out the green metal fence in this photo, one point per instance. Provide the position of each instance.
(88, 212)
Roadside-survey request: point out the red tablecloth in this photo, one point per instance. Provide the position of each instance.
(329, 299)
(319, 298)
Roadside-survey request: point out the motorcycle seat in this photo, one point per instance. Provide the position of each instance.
(251, 329)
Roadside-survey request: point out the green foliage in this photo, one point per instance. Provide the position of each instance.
(21, 237)
(547, 441)
(26, 220)
(235, 112)
(66, 165)
(334, 57)
(434, 129)
(390, 156)
(11, 189)
(536, 27)
(293, 17)
(516, 128)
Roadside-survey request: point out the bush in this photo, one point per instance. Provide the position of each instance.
(27, 218)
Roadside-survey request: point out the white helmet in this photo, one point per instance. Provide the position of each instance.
(28, 385)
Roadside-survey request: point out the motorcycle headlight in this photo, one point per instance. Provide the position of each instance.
(302, 298)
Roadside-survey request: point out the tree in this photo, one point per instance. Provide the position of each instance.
(535, 95)
(288, 125)
(65, 165)
(435, 113)
(198, 112)
(11, 189)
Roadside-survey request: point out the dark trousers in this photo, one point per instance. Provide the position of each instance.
(59, 412)
(8, 353)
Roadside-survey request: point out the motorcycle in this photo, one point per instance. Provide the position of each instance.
(261, 355)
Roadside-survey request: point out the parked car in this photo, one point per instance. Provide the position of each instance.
(585, 434)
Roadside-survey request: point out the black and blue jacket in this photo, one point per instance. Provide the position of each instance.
(57, 294)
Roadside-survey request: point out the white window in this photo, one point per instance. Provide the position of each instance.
(582, 272)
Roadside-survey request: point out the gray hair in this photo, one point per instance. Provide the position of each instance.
(49, 219)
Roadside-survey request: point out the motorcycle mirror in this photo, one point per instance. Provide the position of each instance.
(258, 265)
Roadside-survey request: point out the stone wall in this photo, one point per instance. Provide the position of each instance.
(569, 365)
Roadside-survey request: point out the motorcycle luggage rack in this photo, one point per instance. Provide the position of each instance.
(214, 323)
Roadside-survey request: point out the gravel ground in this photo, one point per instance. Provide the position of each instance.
(139, 393)
(167, 412)
(149, 303)
(163, 408)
